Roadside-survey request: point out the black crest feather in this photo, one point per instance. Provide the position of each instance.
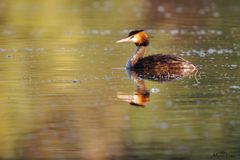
(134, 32)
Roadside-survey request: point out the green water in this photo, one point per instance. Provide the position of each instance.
(61, 72)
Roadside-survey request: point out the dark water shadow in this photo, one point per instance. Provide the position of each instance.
(142, 95)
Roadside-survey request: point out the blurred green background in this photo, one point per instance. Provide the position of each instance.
(61, 71)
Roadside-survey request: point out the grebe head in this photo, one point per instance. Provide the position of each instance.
(139, 37)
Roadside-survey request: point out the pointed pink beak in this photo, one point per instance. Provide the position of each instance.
(128, 39)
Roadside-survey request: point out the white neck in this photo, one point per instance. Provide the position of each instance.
(137, 55)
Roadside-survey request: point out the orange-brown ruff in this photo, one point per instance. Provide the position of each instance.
(157, 61)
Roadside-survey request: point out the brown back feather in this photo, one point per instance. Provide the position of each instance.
(160, 61)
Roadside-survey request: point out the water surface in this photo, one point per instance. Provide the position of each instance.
(61, 72)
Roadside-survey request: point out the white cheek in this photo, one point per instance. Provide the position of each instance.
(134, 39)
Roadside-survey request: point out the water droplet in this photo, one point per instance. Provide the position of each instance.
(202, 53)
(107, 78)
(168, 15)
(234, 87)
(233, 65)
(211, 50)
(163, 125)
(169, 103)
(40, 49)
(179, 9)
(2, 50)
(126, 117)
(174, 32)
(155, 90)
(201, 11)
(219, 32)
(29, 49)
(14, 50)
(216, 14)
(161, 9)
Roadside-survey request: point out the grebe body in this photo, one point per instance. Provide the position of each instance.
(163, 61)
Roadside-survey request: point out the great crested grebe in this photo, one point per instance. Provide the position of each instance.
(153, 62)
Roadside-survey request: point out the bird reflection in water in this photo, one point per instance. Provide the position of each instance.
(142, 95)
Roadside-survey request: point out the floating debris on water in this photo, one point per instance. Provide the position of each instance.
(75, 81)
(8, 56)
